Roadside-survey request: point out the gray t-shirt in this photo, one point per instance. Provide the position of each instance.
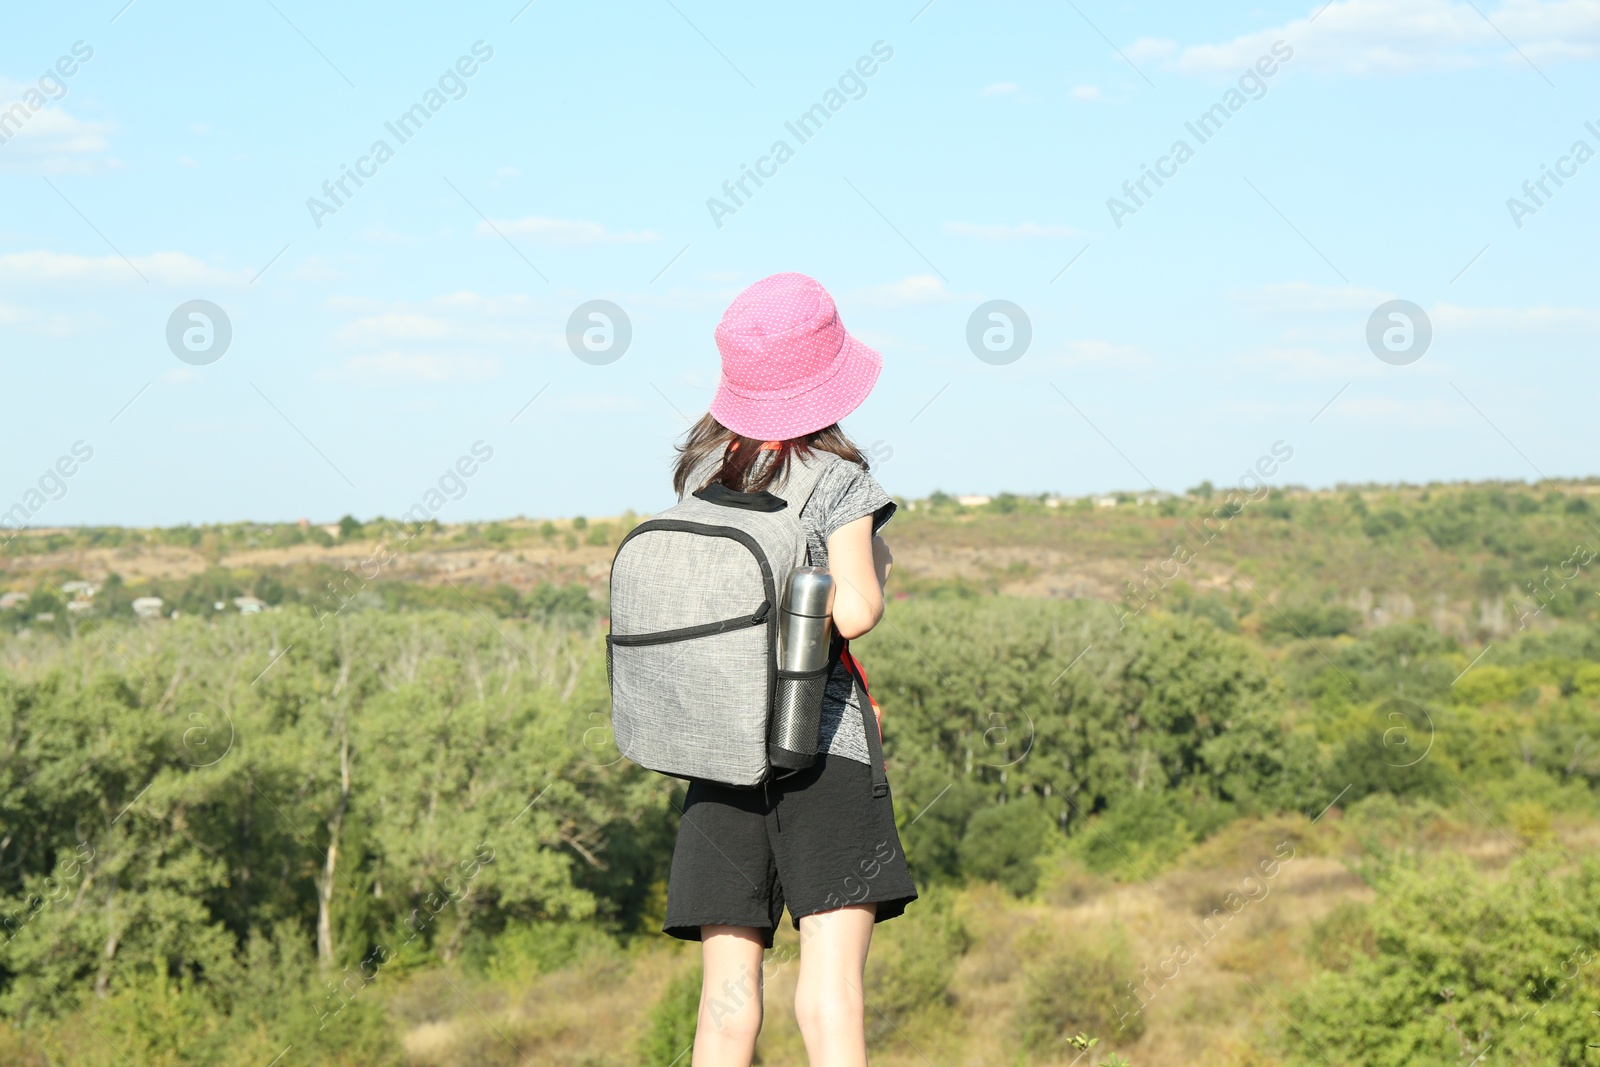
(844, 493)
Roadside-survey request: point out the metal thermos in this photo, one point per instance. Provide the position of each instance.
(805, 631)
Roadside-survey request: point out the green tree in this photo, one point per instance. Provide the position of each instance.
(1459, 962)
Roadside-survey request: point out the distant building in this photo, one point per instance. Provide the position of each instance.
(80, 606)
(11, 600)
(1105, 501)
(76, 588)
(147, 607)
(248, 605)
(1053, 502)
(972, 501)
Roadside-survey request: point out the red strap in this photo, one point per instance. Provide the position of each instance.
(854, 666)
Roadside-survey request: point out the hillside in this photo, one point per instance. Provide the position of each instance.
(1322, 792)
(1477, 561)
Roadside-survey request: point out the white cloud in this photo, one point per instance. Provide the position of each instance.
(1430, 412)
(1151, 48)
(395, 326)
(383, 235)
(1011, 89)
(1403, 36)
(442, 333)
(400, 327)
(1541, 319)
(161, 268)
(397, 367)
(679, 298)
(467, 301)
(1302, 298)
(1301, 363)
(1350, 302)
(315, 269)
(1003, 232)
(908, 292)
(27, 320)
(1088, 352)
(354, 304)
(564, 231)
(185, 161)
(598, 402)
(51, 140)
(1085, 92)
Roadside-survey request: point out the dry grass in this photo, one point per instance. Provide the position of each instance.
(1241, 959)
(592, 1014)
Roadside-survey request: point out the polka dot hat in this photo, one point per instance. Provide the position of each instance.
(788, 366)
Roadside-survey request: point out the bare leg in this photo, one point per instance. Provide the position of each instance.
(828, 1002)
(730, 996)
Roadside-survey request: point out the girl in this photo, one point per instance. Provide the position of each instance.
(817, 840)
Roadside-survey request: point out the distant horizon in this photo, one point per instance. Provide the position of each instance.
(1593, 480)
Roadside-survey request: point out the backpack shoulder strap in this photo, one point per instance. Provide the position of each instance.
(869, 718)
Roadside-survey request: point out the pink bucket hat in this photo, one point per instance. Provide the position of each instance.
(788, 366)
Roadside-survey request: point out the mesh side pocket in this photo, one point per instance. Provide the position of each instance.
(796, 718)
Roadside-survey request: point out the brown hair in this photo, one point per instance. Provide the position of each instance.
(708, 438)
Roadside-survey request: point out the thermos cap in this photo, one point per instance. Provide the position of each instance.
(810, 592)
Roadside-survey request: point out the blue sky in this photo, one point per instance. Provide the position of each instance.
(1227, 313)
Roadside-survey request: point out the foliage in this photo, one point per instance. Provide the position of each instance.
(672, 1021)
(223, 834)
(1077, 983)
(913, 959)
(1460, 962)
(1003, 843)
(1004, 699)
(1137, 837)
(386, 788)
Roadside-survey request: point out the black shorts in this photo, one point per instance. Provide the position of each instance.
(815, 840)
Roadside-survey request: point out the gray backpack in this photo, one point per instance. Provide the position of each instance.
(693, 651)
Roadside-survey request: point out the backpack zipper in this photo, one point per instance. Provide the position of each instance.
(686, 633)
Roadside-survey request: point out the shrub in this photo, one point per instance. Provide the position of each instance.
(1461, 962)
(1373, 762)
(1342, 936)
(1003, 844)
(913, 959)
(1586, 680)
(1310, 620)
(526, 949)
(1141, 833)
(1079, 986)
(672, 1021)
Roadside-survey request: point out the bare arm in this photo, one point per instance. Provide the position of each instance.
(860, 566)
